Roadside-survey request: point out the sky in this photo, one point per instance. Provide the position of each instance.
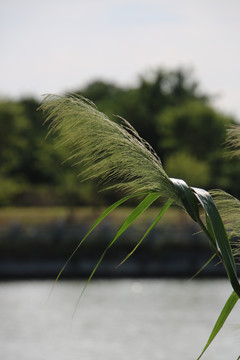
(54, 46)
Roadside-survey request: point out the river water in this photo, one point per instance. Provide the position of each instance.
(116, 320)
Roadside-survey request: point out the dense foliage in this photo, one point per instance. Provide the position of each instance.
(166, 108)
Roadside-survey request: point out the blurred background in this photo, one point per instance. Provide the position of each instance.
(172, 70)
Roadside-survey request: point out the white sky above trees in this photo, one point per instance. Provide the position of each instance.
(53, 46)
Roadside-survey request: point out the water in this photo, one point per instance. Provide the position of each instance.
(116, 320)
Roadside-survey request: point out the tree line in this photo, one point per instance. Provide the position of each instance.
(168, 110)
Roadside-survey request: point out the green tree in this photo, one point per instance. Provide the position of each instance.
(13, 128)
(196, 129)
(185, 166)
(51, 180)
(142, 104)
(193, 123)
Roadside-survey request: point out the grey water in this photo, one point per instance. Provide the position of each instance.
(116, 320)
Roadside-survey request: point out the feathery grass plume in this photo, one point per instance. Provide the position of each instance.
(103, 149)
(229, 206)
(229, 209)
(233, 140)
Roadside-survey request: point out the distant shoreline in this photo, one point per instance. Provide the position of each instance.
(35, 243)
(174, 266)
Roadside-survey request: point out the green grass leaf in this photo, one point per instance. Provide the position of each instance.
(191, 204)
(157, 219)
(232, 300)
(187, 197)
(144, 205)
(203, 267)
(220, 235)
(97, 222)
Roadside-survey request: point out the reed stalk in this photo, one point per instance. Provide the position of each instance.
(114, 153)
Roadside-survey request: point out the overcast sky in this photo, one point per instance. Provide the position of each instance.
(53, 46)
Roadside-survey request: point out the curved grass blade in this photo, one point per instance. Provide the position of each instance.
(97, 222)
(144, 205)
(191, 205)
(213, 241)
(187, 197)
(231, 302)
(159, 216)
(203, 267)
(220, 235)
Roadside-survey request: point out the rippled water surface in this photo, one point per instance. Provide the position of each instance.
(119, 319)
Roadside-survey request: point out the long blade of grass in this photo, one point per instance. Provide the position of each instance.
(220, 235)
(232, 300)
(190, 203)
(144, 205)
(187, 197)
(219, 240)
(215, 229)
(157, 219)
(98, 221)
(211, 235)
(203, 267)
